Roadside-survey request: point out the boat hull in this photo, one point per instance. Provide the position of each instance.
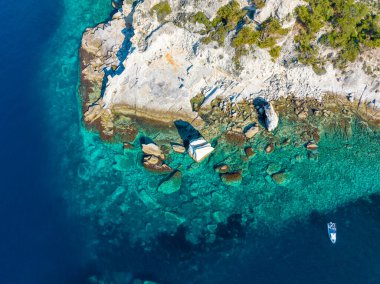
(331, 229)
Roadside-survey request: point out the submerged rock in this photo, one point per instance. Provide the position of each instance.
(273, 168)
(222, 169)
(174, 218)
(311, 146)
(171, 184)
(235, 138)
(313, 156)
(155, 164)
(270, 148)
(233, 178)
(178, 148)
(281, 178)
(249, 151)
(128, 146)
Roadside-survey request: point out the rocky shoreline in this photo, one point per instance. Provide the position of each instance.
(109, 52)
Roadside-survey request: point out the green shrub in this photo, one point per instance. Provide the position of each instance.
(230, 15)
(314, 16)
(265, 37)
(353, 26)
(197, 101)
(201, 18)
(275, 52)
(272, 26)
(269, 31)
(162, 10)
(267, 42)
(226, 19)
(307, 52)
(245, 36)
(369, 31)
(239, 52)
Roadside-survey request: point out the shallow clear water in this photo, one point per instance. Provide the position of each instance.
(89, 199)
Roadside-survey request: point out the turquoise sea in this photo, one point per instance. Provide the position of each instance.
(77, 210)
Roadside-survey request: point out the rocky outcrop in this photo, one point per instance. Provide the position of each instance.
(152, 149)
(249, 151)
(222, 169)
(164, 64)
(98, 56)
(269, 148)
(154, 159)
(155, 164)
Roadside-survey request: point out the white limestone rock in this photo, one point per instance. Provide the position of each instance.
(168, 65)
(277, 8)
(199, 149)
(271, 117)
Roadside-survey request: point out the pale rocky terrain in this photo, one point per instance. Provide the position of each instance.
(162, 65)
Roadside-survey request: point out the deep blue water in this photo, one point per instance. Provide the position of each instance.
(40, 243)
(35, 242)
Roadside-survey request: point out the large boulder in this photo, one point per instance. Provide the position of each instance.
(199, 149)
(155, 164)
(152, 149)
(271, 118)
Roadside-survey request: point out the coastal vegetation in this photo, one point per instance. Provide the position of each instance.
(162, 10)
(231, 17)
(226, 20)
(346, 25)
(264, 36)
(197, 101)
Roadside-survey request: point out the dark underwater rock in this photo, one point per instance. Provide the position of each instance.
(233, 178)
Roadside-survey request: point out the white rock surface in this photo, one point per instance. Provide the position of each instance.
(271, 117)
(168, 65)
(277, 8)
(199, 149)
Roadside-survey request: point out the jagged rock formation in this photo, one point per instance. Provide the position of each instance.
(141, 63)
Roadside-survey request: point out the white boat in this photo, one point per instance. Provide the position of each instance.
(331, 229)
